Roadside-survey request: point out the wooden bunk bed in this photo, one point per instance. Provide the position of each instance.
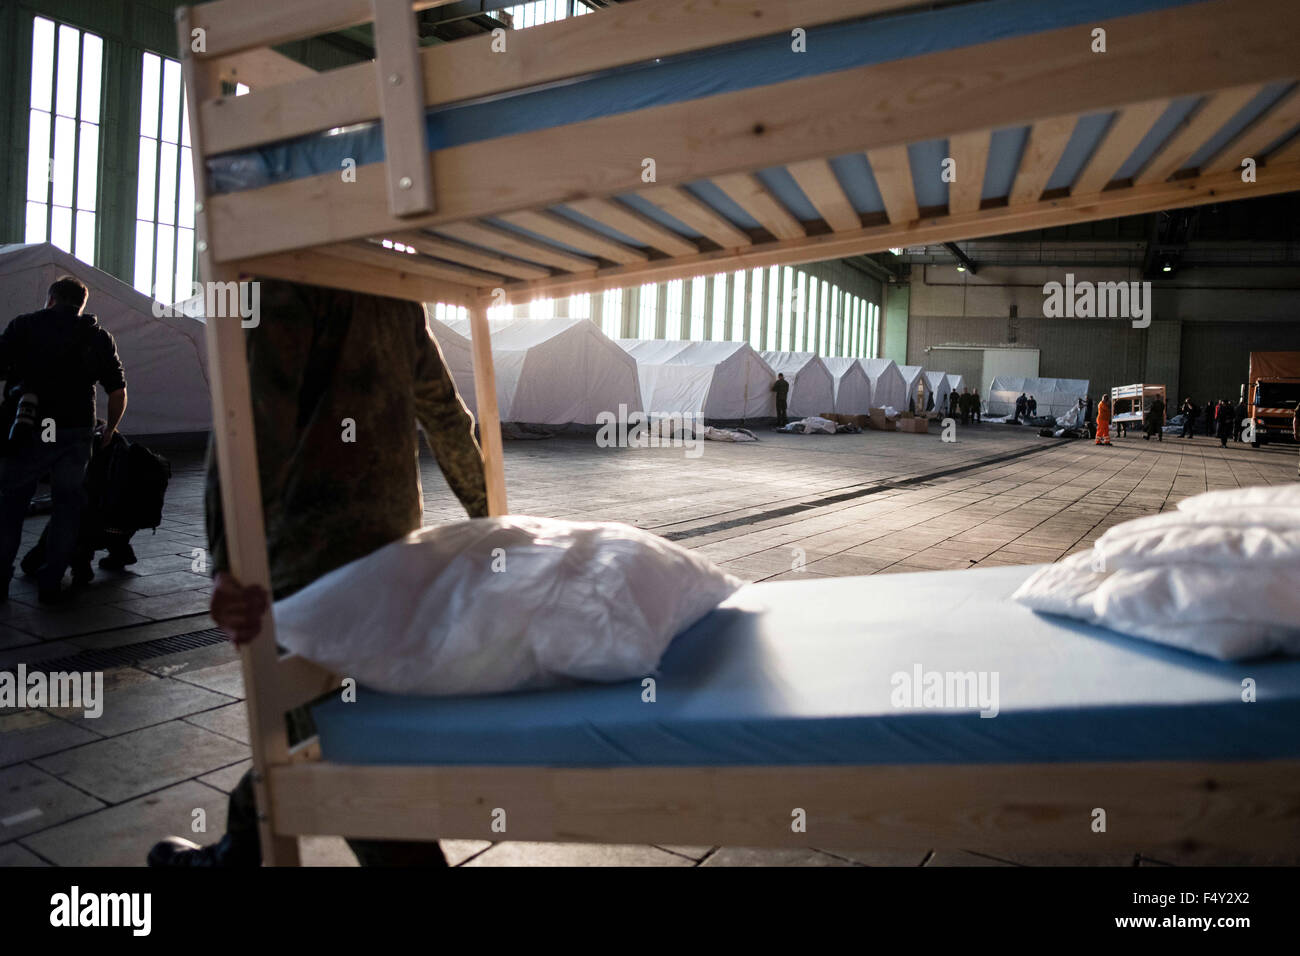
(775, 157)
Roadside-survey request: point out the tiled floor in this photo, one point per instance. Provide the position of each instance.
(174, 739)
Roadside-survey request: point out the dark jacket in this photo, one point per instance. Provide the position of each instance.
(782, 389)
(60, 355)
(317, 358)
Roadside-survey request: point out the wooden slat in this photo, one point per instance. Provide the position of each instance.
(697, 214)
(749, 193)
(1203, 124)
(372, 254)
(634, 225)
(491, 237)
(893, 174)
(1047, 140)
(230, 26)
(314, 267)
(970, 154)
(397, 73)
(994, 221)
(235, 453)
(468, 256)
(1126, 130)
(555, 227)
(818, 182)
(989, 86)
(489, 416)
(1281, 118)
(468, 68)
(1246, 805)
(260, 69)
(1288, 152)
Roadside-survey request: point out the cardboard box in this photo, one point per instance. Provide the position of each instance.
(915, 425)
(878, 421)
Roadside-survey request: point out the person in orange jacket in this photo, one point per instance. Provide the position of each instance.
(1103, 421)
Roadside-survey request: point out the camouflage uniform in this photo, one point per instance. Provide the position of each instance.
(317, 357)
(320, 356)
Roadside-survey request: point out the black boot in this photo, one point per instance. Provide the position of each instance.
(226, 852)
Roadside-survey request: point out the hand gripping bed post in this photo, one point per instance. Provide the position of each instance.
(401, 97)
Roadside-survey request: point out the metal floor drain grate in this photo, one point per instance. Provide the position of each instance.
(130, 654)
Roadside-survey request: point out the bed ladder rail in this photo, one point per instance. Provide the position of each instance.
(399, 73)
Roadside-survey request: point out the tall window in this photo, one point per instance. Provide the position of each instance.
(773, 310)
(649, 302)
(611, 321)
(63, 138)
(580, 306)
(697, 308)
(800, 312)
(164, 218)
(719, 307)
(673, 309)
(756, 308)
(526, 15)
(738, 310)
(541, 309)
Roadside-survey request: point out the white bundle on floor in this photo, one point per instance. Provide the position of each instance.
(502, 604)
(1220, 576)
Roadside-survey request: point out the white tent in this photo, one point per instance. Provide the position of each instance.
(956, 382)
(852, 386)
(1055, 396)
(560, 372)
(888, 387)
(457, 355)
(165, 357)
(812, 386)
(915, 387)
(723, 381)
(940, 388)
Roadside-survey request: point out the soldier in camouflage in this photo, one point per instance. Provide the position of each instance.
(338, 382)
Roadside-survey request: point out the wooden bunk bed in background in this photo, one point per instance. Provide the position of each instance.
(498, 216)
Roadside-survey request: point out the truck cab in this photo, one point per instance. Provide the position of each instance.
(1272, 408)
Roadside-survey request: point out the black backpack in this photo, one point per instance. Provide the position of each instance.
(135, 486)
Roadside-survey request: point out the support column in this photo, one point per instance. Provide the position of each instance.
(893, 343)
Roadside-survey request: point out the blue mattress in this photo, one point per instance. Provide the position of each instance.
(739, 66)
(805, 673)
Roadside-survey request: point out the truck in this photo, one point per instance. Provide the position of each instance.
(1273, 392)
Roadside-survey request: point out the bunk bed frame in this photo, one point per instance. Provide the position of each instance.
(314, 230)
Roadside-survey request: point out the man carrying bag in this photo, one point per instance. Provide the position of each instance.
(51, 361)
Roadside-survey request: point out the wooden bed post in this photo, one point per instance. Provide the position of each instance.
(489, 416)
(236, 451)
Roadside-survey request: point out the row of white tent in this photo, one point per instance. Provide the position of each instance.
(567, 371)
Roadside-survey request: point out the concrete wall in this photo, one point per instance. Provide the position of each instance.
(1204, 323)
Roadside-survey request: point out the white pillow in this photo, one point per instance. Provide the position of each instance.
(501, 604)
(1259, 496)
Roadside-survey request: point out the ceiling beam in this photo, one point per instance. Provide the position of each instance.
(961, 257)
